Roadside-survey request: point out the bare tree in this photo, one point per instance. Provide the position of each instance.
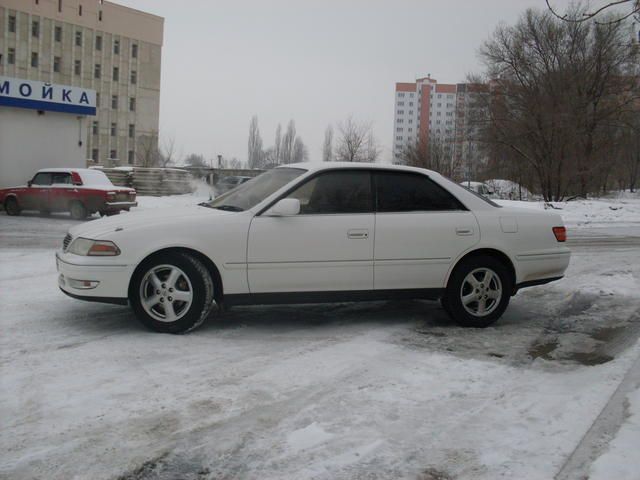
(147, 152)
(356, 142)
(254, 156)
(554, 90)
(602, 10)
(435, 153)
(277, 147)
(288, 142)
(168, 154)
(327, 146)
(196, 160)
(300, 151)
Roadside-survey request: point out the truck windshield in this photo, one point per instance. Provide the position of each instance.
(251, 193)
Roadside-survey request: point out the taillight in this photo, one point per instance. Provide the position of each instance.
(560, 233)
(111, 195)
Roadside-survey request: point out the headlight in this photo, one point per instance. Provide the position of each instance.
(100, 248)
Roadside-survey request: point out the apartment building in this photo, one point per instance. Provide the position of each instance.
(424, 112)
(98, 45)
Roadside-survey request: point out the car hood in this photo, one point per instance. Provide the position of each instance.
(95, 229)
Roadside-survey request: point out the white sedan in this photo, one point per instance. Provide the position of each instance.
(329, 232)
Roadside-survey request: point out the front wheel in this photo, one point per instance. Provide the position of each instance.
(478, 292)
(171, 293)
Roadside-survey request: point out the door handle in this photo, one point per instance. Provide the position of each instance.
(358, 234)
(464, 231)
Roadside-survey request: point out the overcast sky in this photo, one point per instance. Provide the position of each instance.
(314, 61)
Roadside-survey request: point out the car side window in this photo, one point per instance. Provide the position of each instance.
(411, 192)
(42, 179)
(336, 192)
(61, 178)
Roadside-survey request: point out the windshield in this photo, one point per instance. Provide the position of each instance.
(251, 193)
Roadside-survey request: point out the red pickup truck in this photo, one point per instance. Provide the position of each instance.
(79, 191)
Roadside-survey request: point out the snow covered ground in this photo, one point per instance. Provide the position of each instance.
(376, 391)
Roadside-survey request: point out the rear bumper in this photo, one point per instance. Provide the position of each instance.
(117, 206)
(111, 282)
(533, 283)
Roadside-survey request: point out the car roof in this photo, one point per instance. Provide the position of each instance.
(67, 170)
(319, 166)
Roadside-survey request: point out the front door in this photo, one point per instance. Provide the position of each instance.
(36, 197)
(420, 230)
(328, 246)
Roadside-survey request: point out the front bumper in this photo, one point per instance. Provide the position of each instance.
(111, 281)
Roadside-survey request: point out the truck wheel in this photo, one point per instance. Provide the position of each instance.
(171, 293)
(11, 206)
(478, 292)
(78, 211)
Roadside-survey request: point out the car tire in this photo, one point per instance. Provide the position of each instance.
(78, 210)
(478, 291)
(11, 206)
(157, 283)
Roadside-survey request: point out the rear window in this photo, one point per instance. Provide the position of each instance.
(95, 177)
(411, 192)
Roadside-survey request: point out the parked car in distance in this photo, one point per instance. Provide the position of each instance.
(480, 188)
(306, 233)
(229, 183)
(79, 191)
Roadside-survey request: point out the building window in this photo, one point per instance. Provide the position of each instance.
(130, 155)
(78, 39)
(401, 104)
(132, 130)
(400, 120)
(134, 77)
(100, 16)
(439, 95)
(410, 112)
(59, 5)
(114, 127)
(97, 71)
(116, 46)
(12, 24)
(94, 154)
(35, 28)
(98, 99)
(77, 67)
(98, 42)
(400, 112)
(80, 10)
(34, 59)
(11, 56)
(399, 129)
(116, 74)
(401, 94)
(399, 138)
(57, 34)
(411, 95)
(410, 120)
(56, 64)
(132, 104)
(94, 128)
(112, 154)
(134, 50)
(114, 102)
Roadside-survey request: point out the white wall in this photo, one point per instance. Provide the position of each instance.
(29, 142)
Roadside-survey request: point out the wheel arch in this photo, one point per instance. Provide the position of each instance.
(206, 261)
(486, 252)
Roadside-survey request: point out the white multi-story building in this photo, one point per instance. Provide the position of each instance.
(424, 113)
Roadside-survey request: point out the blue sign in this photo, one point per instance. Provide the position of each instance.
(16, 92)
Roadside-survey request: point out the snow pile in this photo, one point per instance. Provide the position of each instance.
(621, 212)
(202, 193)
(509, 189)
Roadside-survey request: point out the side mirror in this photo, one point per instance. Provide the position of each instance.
(287, 207)
(29, 183)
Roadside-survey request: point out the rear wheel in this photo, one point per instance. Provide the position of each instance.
(478, 292)
(172, 293)
(11, 206)
(78, 211)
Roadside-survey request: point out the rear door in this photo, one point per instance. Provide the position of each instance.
(420, 229)
(328, 246)
(61, 191)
